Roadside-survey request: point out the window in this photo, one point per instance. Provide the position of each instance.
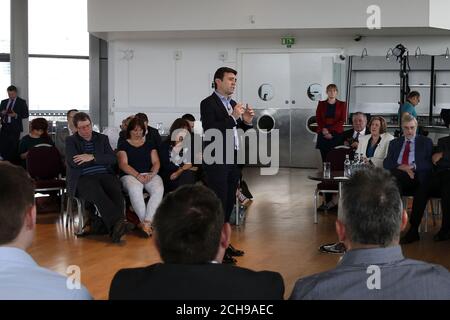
(58, 55)
(5, 28)
(5, 46)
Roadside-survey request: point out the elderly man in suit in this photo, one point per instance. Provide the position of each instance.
(12, 111)
(351, 136)
(437, 186)
(191, 239)
(220, 112)
(409, 157)
(374, 266)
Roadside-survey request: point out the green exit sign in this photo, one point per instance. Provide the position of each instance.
(288, 41)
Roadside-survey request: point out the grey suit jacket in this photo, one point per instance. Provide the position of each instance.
(356, 277)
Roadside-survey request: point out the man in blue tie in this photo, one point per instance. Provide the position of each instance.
(12, 111)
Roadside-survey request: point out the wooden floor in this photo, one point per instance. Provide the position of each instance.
(279, 235)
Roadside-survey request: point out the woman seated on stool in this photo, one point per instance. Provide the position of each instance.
(175, 170)
(374, 146)
(139, 166)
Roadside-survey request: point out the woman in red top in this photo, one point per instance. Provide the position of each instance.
(330, 115)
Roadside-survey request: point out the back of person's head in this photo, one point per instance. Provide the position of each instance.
(126, 122)
(16, 198)
(40, 124)
(70, 111)
(220, 73)
(135, 122)
(188, 225)
(371, 208)
(142, 116)
(188, 117)
(80, 116)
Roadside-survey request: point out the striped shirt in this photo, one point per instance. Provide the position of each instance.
(88, 147)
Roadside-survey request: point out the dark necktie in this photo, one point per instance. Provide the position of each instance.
(405, 158)
(357, 136)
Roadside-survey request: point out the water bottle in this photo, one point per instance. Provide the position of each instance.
(347, 166)
(355, 164)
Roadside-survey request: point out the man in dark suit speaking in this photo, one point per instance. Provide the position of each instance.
(191, 238)
(220, 112)
(12, 111)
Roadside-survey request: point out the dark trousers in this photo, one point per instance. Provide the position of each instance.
(406, 185)
(104, 190)
(437, 186)
(223, 180)
(9, 142)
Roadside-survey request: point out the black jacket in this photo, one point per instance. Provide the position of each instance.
(21, 108)
(195, 282)
(103, 155)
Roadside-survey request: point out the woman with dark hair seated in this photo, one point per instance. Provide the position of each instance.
(38, 135)
(175, 169)
(139, 166)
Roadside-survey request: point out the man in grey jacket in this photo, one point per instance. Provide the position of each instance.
(374, 267)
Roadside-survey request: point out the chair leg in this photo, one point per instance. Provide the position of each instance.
(61, 192)
(69, 213)
(315, 206)
(80, 207)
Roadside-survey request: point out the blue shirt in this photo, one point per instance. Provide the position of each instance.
(407, 107)
(399, 278)
(88, 147)
(412, 148)
(21, 278)
(139, 158)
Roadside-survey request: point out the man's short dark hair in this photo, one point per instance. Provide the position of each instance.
(188, 117)
(135, 122)
(371, 207)
(413, 94)
(220, 73)
(71, 110)
(80, 116)
(142, 116)
(11, 88)
(16, 196)
(188, 225)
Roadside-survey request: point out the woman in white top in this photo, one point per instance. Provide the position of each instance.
(374, 146)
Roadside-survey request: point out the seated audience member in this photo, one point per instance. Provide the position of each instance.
(438, 185)
(409, 157)
(351, 136)
(374, 146)
(174, 170)
(21, 278)
(139, 166)
(190, 119)
(152, 135)
(123, 130)
(62, 133)
(38, 135)
(191, 238)
(373, 266)
(90, 175)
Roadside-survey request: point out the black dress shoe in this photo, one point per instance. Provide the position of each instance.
(442, 235)
(232, 251)
(227, 259)
(120, 228)
(411, 236)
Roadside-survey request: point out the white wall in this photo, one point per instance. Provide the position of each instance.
(165, 88)
(158, 15)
